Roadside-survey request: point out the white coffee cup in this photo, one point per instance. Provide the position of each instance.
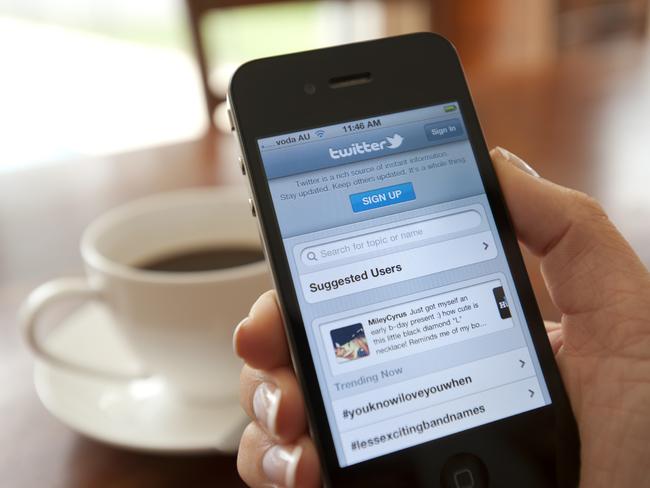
(178, 324)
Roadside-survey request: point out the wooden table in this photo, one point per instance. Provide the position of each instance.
(582, 122)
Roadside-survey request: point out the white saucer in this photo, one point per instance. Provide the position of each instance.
(139, 414)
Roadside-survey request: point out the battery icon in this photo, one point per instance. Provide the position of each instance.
(449, 108)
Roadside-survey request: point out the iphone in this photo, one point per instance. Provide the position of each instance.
(411, 320)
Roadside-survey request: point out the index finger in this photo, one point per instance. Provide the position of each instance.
(259, 339)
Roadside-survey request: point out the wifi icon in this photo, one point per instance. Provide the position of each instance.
(320, 133)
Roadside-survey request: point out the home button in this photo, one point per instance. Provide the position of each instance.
(464, 471)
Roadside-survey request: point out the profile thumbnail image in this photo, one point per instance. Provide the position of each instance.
(350, 343)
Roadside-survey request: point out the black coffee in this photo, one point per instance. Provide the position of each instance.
(208, 259)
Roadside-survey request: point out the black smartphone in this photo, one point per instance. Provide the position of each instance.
(411, 320)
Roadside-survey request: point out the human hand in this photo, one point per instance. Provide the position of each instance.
(602, 344)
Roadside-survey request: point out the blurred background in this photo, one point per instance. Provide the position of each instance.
(93, 78)
(106, 100)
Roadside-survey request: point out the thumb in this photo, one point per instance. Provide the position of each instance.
(586, 263)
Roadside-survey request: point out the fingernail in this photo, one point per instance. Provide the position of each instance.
(234, 335)
(517, 161)
(266, 403)
(256, 304)
(280, 464)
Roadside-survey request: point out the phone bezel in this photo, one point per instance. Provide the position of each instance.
(267, 98)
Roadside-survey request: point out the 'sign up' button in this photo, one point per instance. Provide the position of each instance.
(382, 197)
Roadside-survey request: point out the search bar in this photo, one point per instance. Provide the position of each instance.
(400, 266)
(390, 238)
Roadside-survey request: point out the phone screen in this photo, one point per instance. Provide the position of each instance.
(410, 309)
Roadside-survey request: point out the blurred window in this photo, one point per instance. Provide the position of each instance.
(87, 78)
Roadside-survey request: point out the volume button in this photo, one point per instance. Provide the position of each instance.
(252, 204)
(230, 119)
(241, 165)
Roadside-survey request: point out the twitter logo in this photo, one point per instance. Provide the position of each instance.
(363, 147)
(395, 141)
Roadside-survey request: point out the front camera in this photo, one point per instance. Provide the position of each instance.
(310, 88)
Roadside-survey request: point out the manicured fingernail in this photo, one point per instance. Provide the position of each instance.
(257, 304)
(280, 464)
(266, 403)
(517, 161)
(234, 335)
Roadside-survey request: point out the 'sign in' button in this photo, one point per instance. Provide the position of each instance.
(382, 197)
